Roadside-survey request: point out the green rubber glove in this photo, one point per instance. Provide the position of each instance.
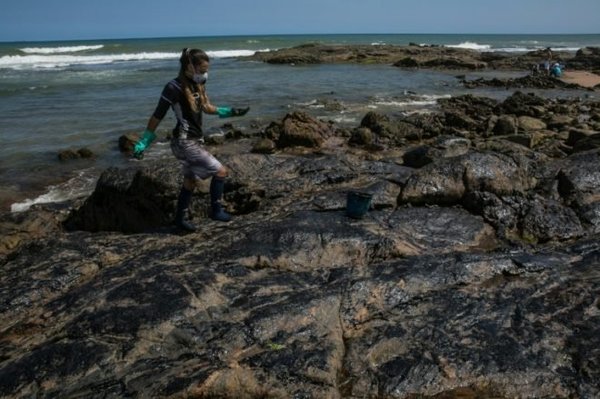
(147, 138)
(226, 112)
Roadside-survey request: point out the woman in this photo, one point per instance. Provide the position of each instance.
(186, 95)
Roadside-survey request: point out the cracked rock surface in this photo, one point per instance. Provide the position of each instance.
(474, 275)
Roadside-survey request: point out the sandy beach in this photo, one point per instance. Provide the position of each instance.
(582, 78)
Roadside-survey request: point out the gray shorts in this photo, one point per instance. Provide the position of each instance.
(196, 161)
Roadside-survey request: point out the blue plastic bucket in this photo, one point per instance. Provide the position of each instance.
(357, 204)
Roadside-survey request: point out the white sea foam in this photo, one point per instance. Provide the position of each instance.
(60, 61)
(232, 53)
(471, 46)
(528, 49)
(58, 50)
(80, 185)
(422, 100)
(312, 104)
(50, 61)
(51, 196)
(516, 49)
(345, 119)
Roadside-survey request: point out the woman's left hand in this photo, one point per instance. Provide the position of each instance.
(239, 111)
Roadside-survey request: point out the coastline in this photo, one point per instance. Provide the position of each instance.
(430, 57)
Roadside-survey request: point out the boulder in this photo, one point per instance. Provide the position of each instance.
(560, 122)
(264, 146)
(130, 200)
(460, 121)
(503, 213)
(578, 134)
(505, 125)
(521, 104)
(441, 147)
(387, 130)
(590, 141)
(66, 155)
(70, 154)
(431, 124)
(127, 142)
(546, 220)
(299, 129)
(579, 179)
(392, 131)
(447, 180)
(436, 183)
(529, 140)
(528, 124)
(361, 136)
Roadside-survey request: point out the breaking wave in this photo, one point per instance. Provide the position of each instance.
(471, 46)
(56, 58)
(60, 50)
(534, 45)
(80, 185)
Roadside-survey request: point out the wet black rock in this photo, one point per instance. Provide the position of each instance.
(130, 200)
(70, 154)
(474, 272)
(538, 81)
(586, 58)
(298, 129)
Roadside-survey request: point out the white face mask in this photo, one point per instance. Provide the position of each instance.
(200, 78)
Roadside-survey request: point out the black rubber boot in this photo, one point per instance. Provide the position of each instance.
(217, 185)
(183, 202)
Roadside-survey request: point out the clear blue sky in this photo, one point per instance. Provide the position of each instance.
(24, 20)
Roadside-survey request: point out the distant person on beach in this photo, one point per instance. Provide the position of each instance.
(556, 70)
(548, 60)
(186, 95)
(545, 65)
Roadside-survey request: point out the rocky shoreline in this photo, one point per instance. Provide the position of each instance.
(444, 58)
(475, 274)
(426, 56)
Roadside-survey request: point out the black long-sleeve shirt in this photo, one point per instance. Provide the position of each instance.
(189, 122)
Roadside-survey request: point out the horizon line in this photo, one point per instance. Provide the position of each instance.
(289, 34)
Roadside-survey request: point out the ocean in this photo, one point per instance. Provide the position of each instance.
(86, 94)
